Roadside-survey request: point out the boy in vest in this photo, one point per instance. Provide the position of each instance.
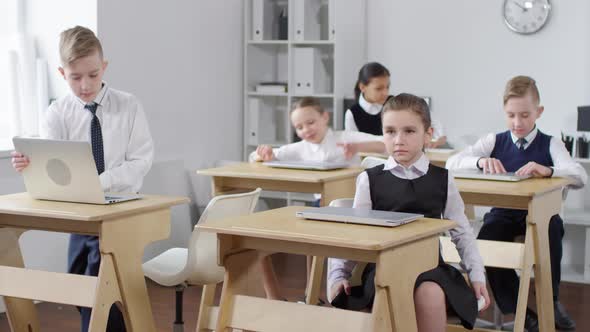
(523, 149)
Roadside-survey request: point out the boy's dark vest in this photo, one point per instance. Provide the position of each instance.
(365, 122)
(512, 158)
(425, 195)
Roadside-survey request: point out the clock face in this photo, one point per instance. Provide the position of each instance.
(526, 16)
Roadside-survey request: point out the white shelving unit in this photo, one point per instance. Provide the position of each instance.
(576, 243)
(324, 49)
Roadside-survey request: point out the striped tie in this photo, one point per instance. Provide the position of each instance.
(521, 143)
(96, 137)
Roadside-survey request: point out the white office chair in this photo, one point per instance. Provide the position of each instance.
(197, 265)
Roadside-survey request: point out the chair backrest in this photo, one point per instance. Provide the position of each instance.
(202, 250)
(506, 255)
(369, 162)
(342, 202)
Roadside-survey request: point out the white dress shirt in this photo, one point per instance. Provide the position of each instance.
(326, 151)
(462, 235)
(127, 143)
(372, 109)
(563, 164)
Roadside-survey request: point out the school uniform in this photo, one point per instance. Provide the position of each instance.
(325, 151)
(505, 224)
(426, 189)
(364, 117)
(127, 154)
(438, 131)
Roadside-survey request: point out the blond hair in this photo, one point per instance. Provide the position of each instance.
(408, 102)
(76, 43)
(308, 102)
(520, 86)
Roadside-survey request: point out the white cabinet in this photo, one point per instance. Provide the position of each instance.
(323, 49)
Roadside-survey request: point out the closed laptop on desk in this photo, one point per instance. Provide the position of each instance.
(309, 165)
(480, 175)
(63, 171)
(359, 216)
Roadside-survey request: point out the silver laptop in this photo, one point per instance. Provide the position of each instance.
(359, 216)
(480, 175)
(309, 165)
(63, 171)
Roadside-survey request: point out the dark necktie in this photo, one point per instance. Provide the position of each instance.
(96, 137)
(521, 143)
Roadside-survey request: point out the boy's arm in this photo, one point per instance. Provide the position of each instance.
(565, 166)
(139, 155)
(468, 157)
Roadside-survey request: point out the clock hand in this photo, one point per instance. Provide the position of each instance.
(519, 5)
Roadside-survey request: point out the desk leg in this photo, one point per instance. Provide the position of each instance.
(541, 209)
(395, 278)
(107, 293)
(125, 240)
(343, 188)
(22, 314)
(237, 281)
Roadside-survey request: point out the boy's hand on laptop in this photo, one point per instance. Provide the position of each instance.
(19, 161)
(534, 169)
(338, 287)
(350, 149)
(265, 153)
(491, 165)
(479, 288)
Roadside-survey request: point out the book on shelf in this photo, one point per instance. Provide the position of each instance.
(271, 87)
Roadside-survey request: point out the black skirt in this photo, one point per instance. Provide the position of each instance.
(459, 296)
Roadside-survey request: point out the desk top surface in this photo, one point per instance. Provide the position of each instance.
(529, 187)
(259, 171)
(23, 204)
(282, 224)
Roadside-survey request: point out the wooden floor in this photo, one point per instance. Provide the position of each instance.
(290, 269)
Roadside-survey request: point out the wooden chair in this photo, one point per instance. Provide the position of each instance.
(506, 255)
(197, 265)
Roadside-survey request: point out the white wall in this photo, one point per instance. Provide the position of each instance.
(461, 54)
(183, 59)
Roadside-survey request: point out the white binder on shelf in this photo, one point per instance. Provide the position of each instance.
(262, 17)
(310, 75)
(331, 19)
(261, 122)
(306, 24)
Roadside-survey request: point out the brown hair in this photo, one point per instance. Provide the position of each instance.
(308, 102)
(405, 102)
(76, 43)
(520, 86)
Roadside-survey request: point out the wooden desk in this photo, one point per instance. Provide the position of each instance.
(401, 254)
(542, 198)
(330, 184)
(124, 230)
(248, 176)
(437, 157)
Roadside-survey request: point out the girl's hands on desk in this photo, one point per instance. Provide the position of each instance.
(265, 153)
(534, 169)
(19, 161)
(338, 287)
(491, 165)
(479, 288)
